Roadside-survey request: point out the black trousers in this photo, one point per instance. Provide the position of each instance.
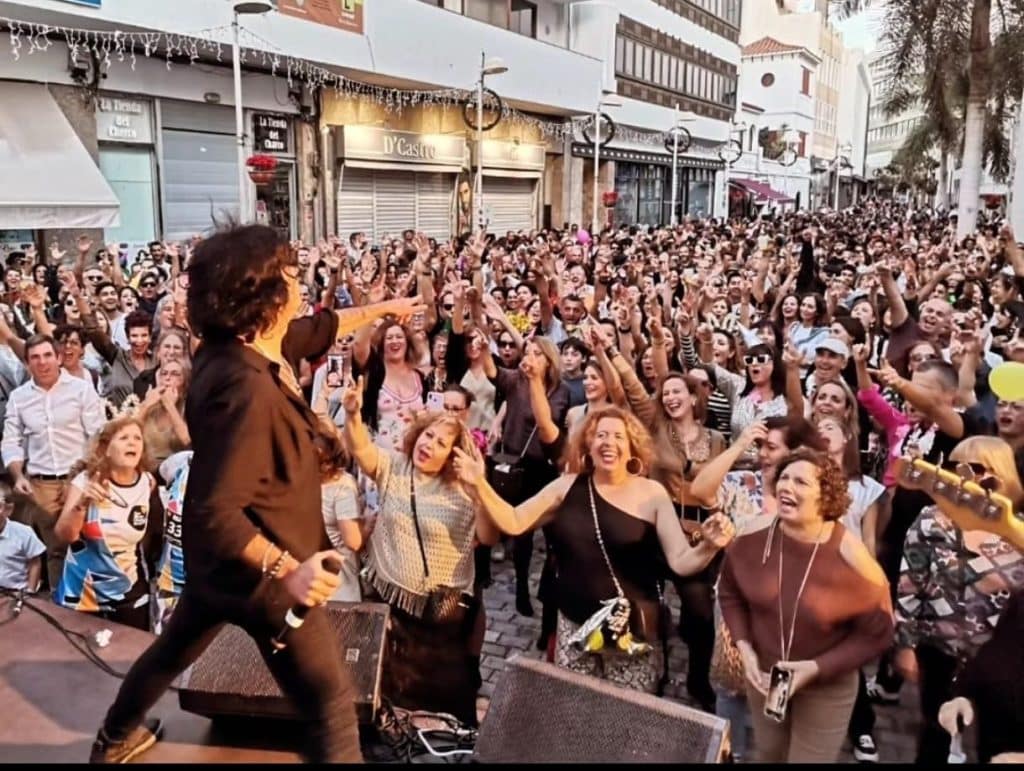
(890, 554)
(937, 671)
(862, 719)
(308, 670)
(697, 630)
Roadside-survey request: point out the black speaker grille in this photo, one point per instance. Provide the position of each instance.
(541, 712)
(230, 678)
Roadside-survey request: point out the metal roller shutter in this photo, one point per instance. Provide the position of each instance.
(394, 199)
(434, 204)
(384, 202)
(509, 204)
(355, 203)
(200, 182)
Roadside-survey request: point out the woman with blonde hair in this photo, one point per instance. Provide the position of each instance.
(162, 412)
(610, 529)
(953, 587)
(419, 558)
(112, 522)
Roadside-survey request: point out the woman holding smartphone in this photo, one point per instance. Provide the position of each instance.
(807, 606)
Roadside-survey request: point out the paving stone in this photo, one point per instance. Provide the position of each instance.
(494, 649)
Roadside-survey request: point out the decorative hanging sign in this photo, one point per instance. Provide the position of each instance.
(341, 14)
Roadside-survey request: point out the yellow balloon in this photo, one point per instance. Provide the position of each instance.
(596, 641)
(1007, 381)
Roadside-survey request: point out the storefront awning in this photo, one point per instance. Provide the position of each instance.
(761, 191)
(47, 178)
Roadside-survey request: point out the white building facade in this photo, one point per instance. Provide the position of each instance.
(156, 139)
(659, 56)
(777, 91)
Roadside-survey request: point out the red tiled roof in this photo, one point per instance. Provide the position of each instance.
(769, 45)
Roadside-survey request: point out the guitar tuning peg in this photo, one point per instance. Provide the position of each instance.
(965, 472)
(993, 510)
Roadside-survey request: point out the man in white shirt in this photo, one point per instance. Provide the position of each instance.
(48, 425)
(21, 551)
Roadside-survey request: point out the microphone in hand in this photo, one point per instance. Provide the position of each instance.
(314, 588)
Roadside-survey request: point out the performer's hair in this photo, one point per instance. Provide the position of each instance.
(236, 284)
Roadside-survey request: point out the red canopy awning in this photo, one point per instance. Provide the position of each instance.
(761, 191)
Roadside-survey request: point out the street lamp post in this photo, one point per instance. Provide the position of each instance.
(242, 8)
(847, 148)
(677, 126)
(606, 100)
(493, 66)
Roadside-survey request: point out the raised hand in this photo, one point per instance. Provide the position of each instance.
(755, 432)
(887, 375)
(352, 397)
(470, 468)
(84, 244)
(34, 295)
(718, 530)
(406, 307)
(56, 253)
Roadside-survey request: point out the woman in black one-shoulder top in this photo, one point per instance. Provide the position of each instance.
(636, 522)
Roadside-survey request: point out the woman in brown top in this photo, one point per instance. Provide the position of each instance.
(804, 595)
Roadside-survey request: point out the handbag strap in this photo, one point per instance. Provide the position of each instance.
(600, 539)
(525, 446)
(416, 521)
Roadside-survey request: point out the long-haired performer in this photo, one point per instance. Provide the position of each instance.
(252, 529)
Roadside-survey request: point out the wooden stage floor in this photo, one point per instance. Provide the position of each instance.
(53, 699)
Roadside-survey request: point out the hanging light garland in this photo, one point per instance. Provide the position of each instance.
(108, 46)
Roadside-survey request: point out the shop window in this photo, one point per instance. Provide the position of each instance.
(523, 18)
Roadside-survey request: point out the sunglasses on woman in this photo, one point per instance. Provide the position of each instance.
(978, 469)
(506, 344)
(761, 358)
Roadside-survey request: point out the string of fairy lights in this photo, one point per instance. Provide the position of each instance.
(120, 47)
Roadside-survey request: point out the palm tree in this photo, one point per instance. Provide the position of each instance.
(966, 108)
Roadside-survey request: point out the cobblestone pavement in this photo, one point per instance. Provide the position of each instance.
(508, 633)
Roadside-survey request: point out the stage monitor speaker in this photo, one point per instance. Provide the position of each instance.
(543, 713)
(231, 678)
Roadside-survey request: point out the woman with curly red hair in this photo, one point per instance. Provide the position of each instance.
(608, 526)
(804, 596)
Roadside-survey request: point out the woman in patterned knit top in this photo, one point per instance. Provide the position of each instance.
(427, 525)
(953, 586)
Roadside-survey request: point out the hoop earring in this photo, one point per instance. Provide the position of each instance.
(634, 466)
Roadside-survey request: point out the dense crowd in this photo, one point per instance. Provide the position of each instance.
(720, 406)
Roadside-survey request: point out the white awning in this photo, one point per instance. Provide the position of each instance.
(47, 177)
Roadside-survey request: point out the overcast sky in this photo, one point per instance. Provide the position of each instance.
(862, 30)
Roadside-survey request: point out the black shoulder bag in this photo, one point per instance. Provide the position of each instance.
(445, 604)
(506, 472)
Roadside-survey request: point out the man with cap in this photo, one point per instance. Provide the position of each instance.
(830, 357)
